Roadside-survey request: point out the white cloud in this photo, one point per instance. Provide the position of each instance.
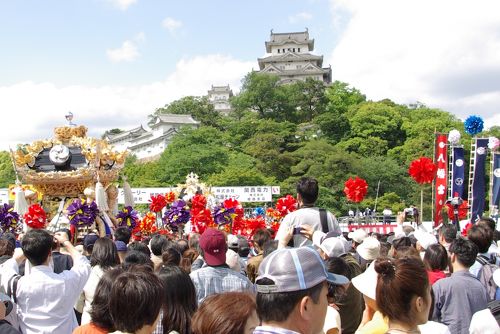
(32, 110)
(122, 4)
(442, 53)
(127, 52)
(302, 16)
(171, 24)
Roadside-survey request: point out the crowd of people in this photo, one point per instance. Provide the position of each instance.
(308, 277)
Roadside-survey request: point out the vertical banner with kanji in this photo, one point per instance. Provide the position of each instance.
(441, 160)
(495, 189)
(478, 179)
(457, 186)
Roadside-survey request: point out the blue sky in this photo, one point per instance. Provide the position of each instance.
(112, 62)
(65, 42)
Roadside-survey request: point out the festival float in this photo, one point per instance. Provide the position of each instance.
(75, 176)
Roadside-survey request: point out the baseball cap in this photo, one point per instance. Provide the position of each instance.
(366, 283)
(213, 244)
(425, 239)
(369, 249)
(333, 247)
(358, 235)
(120, 246)
(232, 241)
(294, 269)
(89, 240)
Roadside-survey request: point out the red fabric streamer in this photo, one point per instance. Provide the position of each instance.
(422, 170)
(35, 217)
(466, 229)
(157, 203)
(286, 204)
(355, 189)
(463, 209)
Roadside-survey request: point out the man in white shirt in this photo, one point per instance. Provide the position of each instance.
(45, 299)
(307, 214)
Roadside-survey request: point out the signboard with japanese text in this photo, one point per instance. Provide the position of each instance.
(242, 194)
(142, 195)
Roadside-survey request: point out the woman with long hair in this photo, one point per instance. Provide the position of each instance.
(104, 256)
(179, 301)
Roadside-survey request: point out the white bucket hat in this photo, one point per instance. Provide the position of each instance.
(369, 249)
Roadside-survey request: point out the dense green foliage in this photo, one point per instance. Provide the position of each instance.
(278, 133)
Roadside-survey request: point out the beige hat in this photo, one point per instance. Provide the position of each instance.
(369, 249)
(358, 235)
(366, 283)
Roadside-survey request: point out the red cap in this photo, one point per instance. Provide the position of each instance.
(213, 244)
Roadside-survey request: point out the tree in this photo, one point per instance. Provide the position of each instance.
(111, 132)
(333, 126)
(240, 171)
(201, 151)
(260, 93)
(341, 96)
(310, 98)
(199, 107)
(7, 175)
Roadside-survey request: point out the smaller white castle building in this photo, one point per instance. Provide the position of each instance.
(149, 143)
(219, 96)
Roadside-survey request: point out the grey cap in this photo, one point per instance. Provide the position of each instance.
(295, 269)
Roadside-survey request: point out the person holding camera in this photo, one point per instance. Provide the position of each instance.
(45, 299)
(307, 214)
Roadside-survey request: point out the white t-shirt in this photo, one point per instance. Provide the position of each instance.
(305, 216)
(483, 322)
(433, 327)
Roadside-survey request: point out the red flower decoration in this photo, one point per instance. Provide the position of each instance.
(422, 170)
(355, 189)
(286, 204)
(463, 209)
(198, 203)
(157, 203)
(247, 227)
(170, 197)
(201, 220)
(35, 217)
(466, 229)
(273, 213)
(231, 203)
(147, 224)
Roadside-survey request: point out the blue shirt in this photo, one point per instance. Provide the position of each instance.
(456, 299)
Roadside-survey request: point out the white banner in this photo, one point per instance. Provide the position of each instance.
(242, 194)
(4, 196)
(142, 195)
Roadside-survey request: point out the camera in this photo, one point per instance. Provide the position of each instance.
(455, 201)
(296, 230)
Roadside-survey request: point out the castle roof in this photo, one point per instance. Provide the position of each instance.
(173, 119)
(134, 133)
(299, 38)
(290, 56)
